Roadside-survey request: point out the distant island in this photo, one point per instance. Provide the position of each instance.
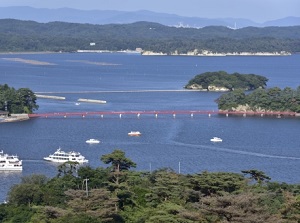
(261, 100)
(222, 81)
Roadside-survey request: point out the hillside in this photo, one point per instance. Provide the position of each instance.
(17, 35)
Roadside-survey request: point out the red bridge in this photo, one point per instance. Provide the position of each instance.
(161, 112)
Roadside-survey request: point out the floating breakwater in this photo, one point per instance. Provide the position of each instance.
(91, 101)
(50, 97)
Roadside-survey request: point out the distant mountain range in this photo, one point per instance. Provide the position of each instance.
(102, 17)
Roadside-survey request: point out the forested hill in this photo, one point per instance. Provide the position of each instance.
(17, 35)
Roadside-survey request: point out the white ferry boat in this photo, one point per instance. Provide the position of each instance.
(61, 157)
(134, 133)
(216, 139)
(9, 162)
(92, 141)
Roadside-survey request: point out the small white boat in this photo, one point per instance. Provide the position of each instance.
(10, 162)
(134, 133)
(61, 157)
(216, 139)
(77, 103)
(92, 141)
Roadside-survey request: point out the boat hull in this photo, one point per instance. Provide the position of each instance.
(134, 133)
(92, 141)
(11, 168)
(62, 157)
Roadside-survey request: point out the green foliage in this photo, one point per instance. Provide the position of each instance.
(229, 81)
(167, 186)
(272, 99)
(21, 214)
(160, 196)
(120, 164)
(217, 183)
(68, 37)
(118, 160)
(22, 100)
(242, 208)
(98, 177)
(257, 175)
(28, 192)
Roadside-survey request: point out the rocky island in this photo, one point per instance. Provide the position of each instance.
(222, 81)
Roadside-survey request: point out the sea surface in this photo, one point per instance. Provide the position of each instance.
(131, 82)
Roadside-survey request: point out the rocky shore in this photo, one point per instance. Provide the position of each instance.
(15, 118)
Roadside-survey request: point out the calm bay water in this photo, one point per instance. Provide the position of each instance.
(268, 144)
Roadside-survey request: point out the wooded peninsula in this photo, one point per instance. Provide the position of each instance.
(272, 99)
(15, 101)
(29, 36)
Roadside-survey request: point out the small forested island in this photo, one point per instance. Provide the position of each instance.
(19, 101)
(222, 81)
(119, 194)
(261, 100)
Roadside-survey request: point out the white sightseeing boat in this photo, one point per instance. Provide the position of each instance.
(216, 139)
(61, 157)
(9, 162)
(134, 133)
(92, 141)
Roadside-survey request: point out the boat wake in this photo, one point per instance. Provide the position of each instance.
(33, 161)
(222, 149)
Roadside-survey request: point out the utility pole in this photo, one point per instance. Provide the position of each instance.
(86, 187)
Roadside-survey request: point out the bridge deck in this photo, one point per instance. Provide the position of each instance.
(160, 112)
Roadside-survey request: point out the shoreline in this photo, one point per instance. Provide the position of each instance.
(151, 53)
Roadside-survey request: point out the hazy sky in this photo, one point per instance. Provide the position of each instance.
(256, 10)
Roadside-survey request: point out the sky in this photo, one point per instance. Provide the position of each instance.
(255, 10)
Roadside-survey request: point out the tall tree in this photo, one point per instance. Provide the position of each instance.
(257, 175)
(119, 163)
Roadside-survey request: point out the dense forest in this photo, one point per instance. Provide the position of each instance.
(222, 80)
(16, 35)
(119, 194)
(18, 101)
(272, 99)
